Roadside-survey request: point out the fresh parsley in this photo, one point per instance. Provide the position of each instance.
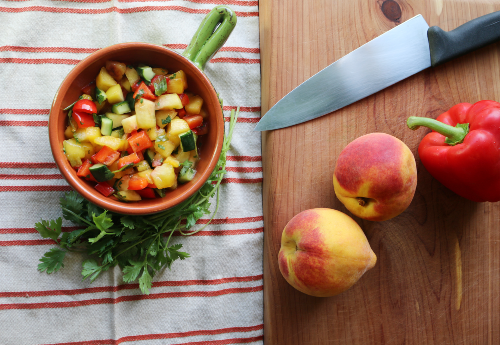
(166, 121)
(140, 245)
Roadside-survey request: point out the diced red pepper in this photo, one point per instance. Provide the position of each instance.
(83, 119)
(139, 154)
(89, 89)
(193, 120)
(184, 99)
(147, 192)
(84, 171)
(106, 156)
(143, 91)
(153, 186)
(201, 130)
(137, 183)
(104, 188)
(181, 113)
(140, 141)
(127, 160)
(85, 106)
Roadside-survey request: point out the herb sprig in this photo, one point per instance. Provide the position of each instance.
(140, 245)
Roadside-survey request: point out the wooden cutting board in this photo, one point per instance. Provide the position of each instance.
(437, 278)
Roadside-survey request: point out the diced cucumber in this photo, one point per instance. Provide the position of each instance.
(160, 192)
(128, 196)
(130, 100)
(188, 141)
(101, 172)
(186, 174)
(149, 156)
(121, 108)
(117, 118)
(100, 95)
(106, 126)
(146, 72)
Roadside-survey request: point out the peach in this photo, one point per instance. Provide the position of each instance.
(324, 252)
(375, 177)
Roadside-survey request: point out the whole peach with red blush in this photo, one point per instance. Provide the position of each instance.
(324, 252)
(375, 177)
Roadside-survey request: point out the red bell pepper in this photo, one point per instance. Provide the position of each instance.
(463, 149)
(202, 129)
(184, 99)
(140, 141)
(127, 160)
(84, 170)
(106, 156)
(104, 188)
(144, 91)
(181, 113)
(193, 120)
(137, 183)
(147, 192)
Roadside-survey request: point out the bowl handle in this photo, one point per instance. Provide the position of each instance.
(210, 36)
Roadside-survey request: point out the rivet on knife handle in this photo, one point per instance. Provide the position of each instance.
(466, 38)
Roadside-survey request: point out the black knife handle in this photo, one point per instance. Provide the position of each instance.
(470, 36)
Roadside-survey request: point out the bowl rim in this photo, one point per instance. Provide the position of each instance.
(80, 186)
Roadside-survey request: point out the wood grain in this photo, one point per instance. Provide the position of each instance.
(438, 271)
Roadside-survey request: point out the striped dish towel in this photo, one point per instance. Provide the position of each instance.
(213, 297)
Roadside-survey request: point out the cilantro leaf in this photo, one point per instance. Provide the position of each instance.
(145, 282)
(91, 270)
(131, 272)
(72, 205)
(128, 221)
(52, 260)
(50, 229)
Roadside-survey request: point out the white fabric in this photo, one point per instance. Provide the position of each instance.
(213, 297)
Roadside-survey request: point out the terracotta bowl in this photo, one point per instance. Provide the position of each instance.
(157, 56)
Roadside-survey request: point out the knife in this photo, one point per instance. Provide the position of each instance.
(387, 59)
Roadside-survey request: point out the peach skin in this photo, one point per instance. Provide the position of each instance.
(324, 252)
(375, 177)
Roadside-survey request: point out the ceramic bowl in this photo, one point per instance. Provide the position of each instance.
(192, 64)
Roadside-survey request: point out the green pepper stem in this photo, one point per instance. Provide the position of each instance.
(454, 135)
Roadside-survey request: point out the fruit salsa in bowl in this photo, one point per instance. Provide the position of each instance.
(137, 128)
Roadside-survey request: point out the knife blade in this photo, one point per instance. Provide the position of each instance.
(387, 59)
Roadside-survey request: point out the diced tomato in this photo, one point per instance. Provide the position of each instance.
(127, 160)
(193, 120)
(184, 99)
(106, 156)
(140, 141)
(83, 119)
(104, 188)
(85, 106)
(143, 91)
(158, 79)
(181, 113)
(84, 170)
(124, 91)
(201, 130)
(157, 160)
(89, 89)
(135, 86)
(137, 183)
(147, 192)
